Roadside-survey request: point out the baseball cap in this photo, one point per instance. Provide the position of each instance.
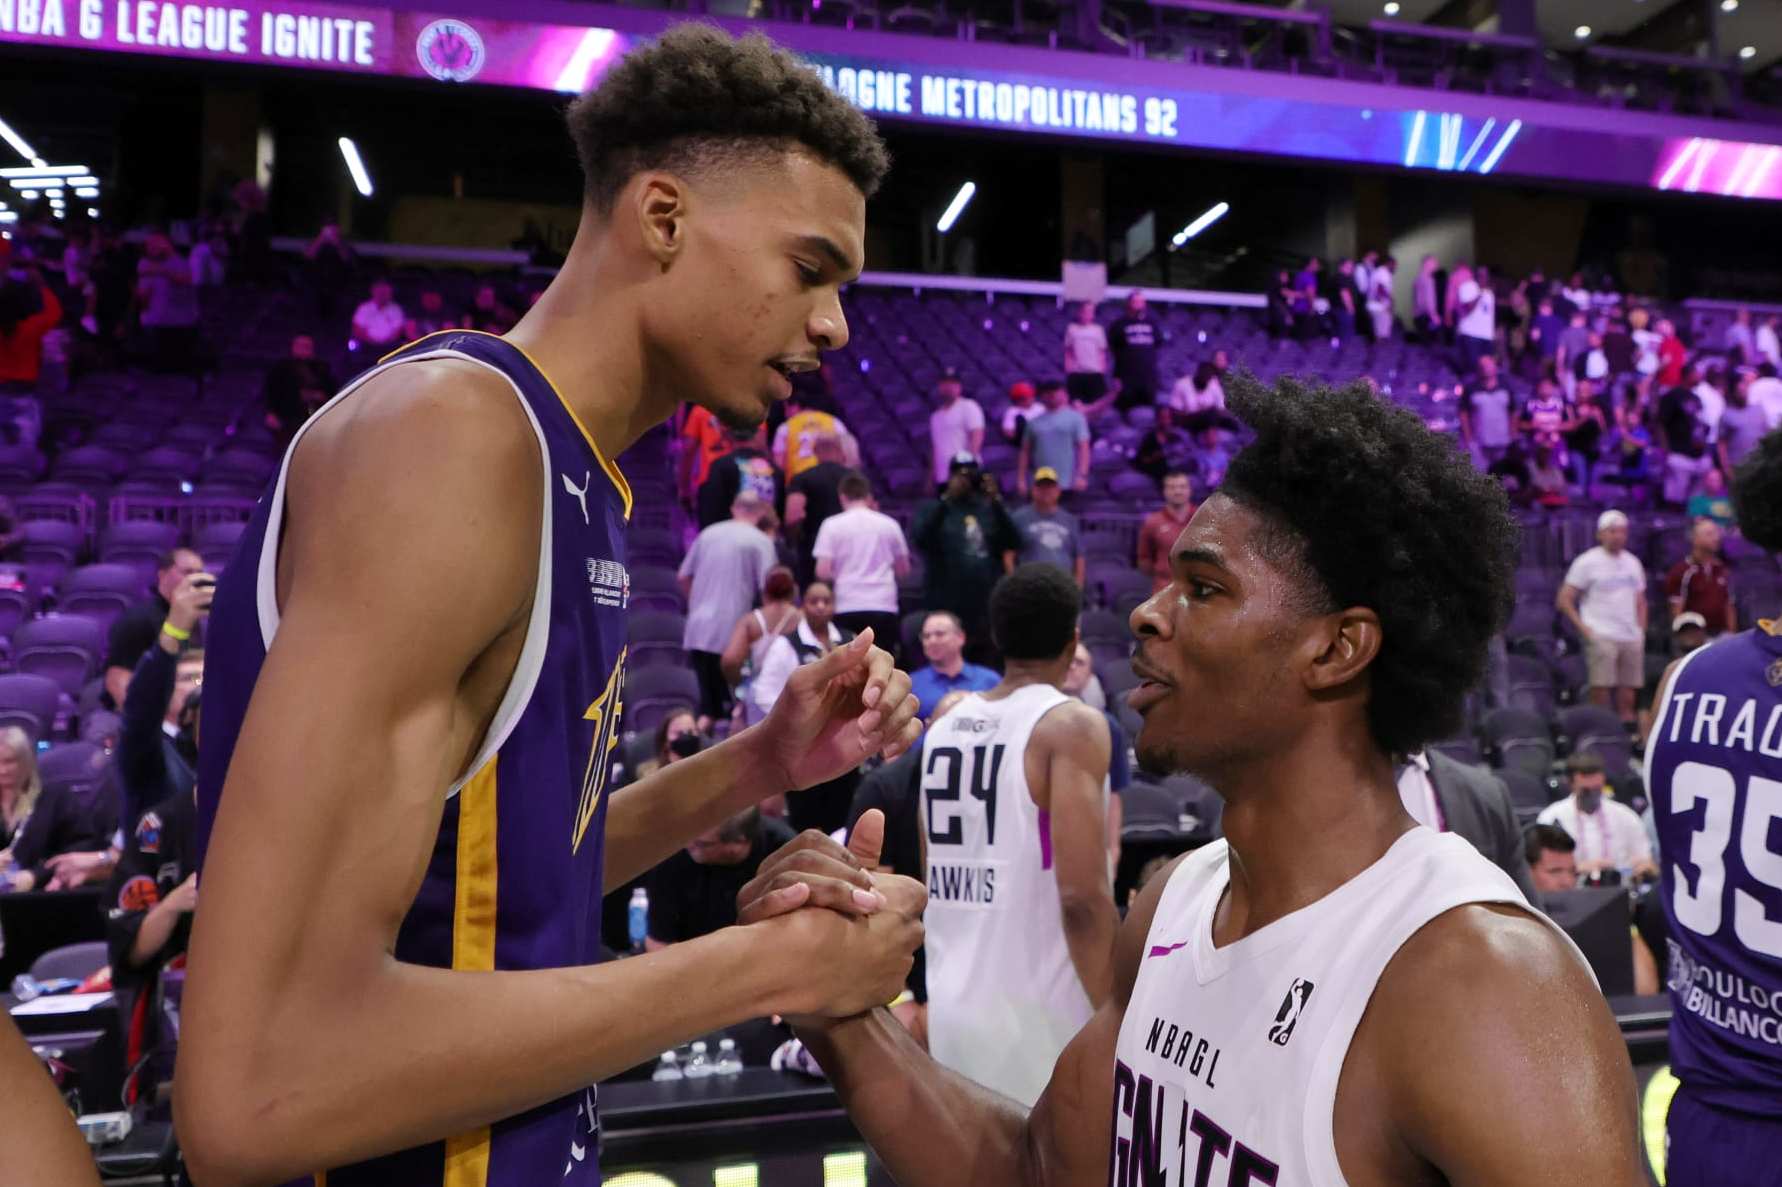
(1610, 519)
(1689, 618)
(965, 459)
(1021, 391)
(1045, 474)
(949, 373)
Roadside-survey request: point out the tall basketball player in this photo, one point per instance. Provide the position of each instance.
(416, 665)
(1333, 994)
(1714, 763)
(1020, 921)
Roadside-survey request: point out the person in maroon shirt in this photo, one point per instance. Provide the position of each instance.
(1157, 535)
(1700, 581)
(1672, 354)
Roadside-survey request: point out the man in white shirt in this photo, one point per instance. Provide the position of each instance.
(1741, 347)
(1609, 834)
(1604, 597)
(1768, 341)
(378, 323)
(861, 551)
(1477, 323)
(956, 426)
(1765, 392)
(1085, 356)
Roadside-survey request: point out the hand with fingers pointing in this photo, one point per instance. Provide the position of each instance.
(862, 929)
(836, 712)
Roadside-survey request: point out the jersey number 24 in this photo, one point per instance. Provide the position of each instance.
(941, 790)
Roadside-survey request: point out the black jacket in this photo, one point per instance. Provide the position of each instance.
(150, 765)
(1476, 805)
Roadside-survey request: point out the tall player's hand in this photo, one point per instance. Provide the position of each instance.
(836, 712)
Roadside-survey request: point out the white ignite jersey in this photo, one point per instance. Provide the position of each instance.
(1226, 1069)
(1003, 996)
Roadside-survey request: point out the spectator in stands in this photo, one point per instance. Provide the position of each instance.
(1475, 322)
(1200, 399)
(719, 578)
(943, 645)
(148, 910)
(1604, 597)
(702, 441)
(1364, 274)
(1767, 341)
(955, 427)
(1618, 344)
(677, 737)
(329, 266)
(39, 824)
(795, 441)
(1048, 533)
(1766, 393)
(1487, 412)
(1546, 418)
(745, 466)
(1711, 391)
(179, 573)
(1157, 535)
(1672, 354)
(210, 257)
(1135, 339)
(961, 537)
(1086, 357)
(29, 310)
(1711, 502)
(378, 322)
(1686, 442)
(432, 318)
(1608, 833)
(158, 747)
(169, 305)
(489, 312)
(1426, 300)
(1742, 425)
(1467, 801)
(1551, 857)
(1278, 315)
(862, 553)
(825, 806)
(1547, 480)
(295, 387)
(755, 632)
(1164, 447)
(1345, 305)
(1701, 583)
(1574, 350)
(1021, 409)
(812, 497)
(693, 893)
(1081, 681)
(1544, 334)
(1740, 343)
(1306, 314)
(1057, 440)
(1381, 299)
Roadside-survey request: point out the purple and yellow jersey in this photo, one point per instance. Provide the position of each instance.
(1715, 765)
(514, 881)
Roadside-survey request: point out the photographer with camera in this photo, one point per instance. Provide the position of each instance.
(962, 536)
(158, 748)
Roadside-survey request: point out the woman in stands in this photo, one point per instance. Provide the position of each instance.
(755, 632)
(40, 825)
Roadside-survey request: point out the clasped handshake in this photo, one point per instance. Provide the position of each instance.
(851, 926)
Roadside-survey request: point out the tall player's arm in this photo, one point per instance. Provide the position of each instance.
(1489, 1054)
(307, 1044)
(935, 1128)
(1067, 770)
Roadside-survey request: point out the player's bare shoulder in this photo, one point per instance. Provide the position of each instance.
(1074, 727)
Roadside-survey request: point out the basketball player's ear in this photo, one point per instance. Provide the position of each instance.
(662, 216)
(1347, 643)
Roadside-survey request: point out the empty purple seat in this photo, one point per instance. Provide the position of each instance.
(92, 463)
(124, 579)
(51, 540)
(16, 605)
(75, 767)
(137, 542)
(215, 542)
(103, 606)
(66, 648)
(239, 468)
(29, 702)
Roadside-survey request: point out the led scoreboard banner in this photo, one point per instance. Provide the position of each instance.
(942, 81)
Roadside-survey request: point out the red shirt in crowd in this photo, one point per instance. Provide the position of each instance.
(1157, 535)
(21, 352)
(1671, 357)
(1702, 586)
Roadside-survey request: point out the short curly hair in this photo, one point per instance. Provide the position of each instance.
(1757, 493)
(1368, 507)
(1033, 612)
(698, 98)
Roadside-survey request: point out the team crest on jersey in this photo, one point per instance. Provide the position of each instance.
(1292, 1006)
(1774, 674)
(138, 894)
(148, 833)
(611, 583)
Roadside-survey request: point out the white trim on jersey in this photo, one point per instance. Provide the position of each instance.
(532, 653)
(1655, 735)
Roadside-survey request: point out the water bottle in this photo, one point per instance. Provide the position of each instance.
(639, 918)
(729, 1061)
(699, 1066)
(25, 987)
(667, 1068)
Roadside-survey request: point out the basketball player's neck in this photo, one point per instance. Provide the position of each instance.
(585, 334)
(1301, 822)
(1019, 674)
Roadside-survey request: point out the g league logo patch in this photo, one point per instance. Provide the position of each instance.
(1292, 1006)
(450, 50)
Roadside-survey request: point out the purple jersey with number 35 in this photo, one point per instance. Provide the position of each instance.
(1715, 767)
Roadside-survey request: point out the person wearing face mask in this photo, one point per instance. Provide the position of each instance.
(1609, 834)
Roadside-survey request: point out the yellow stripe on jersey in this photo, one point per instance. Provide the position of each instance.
(473, 940)
(612, 471)
(604, 713)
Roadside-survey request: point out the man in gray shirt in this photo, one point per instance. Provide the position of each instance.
(1048, 534)
(1485, 413)
(1742, 425)
(1057, 439)
(719, 578)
